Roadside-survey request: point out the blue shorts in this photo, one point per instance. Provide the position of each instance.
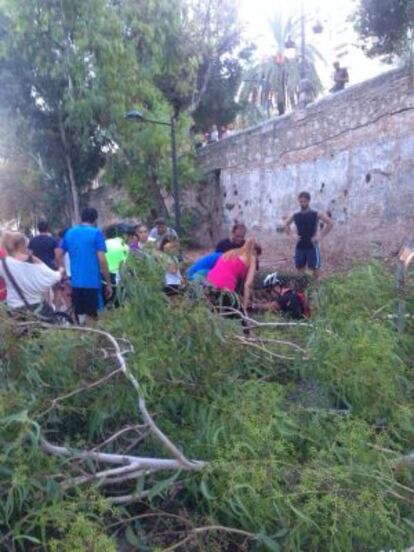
(310, 258)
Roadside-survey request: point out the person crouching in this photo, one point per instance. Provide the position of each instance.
(233, 272)
(277, 295)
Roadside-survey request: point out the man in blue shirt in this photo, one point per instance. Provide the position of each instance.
(85, 244)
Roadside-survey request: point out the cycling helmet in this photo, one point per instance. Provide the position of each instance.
(271, 280)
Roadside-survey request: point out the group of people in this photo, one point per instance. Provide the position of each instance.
(78, 269)
(213, 134)
(85, 265)
(233, 265)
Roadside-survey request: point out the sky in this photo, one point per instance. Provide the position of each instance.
(337, 38)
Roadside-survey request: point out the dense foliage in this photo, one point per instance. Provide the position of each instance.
(386, 27)
(72, 69)
(271, 85)
(305, 452)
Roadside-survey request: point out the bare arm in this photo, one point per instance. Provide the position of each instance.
(59, 256)
(105, 272)
(288, 224)
(248, 284)
(328, 224)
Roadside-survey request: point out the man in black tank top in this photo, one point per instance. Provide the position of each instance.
(307, 253)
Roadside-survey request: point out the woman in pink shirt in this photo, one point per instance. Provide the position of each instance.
(235, 267)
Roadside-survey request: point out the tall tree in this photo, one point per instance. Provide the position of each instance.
(274, 80)
(219, 103)
(386, 27)
(73, 68)
(182, 47)
(68, 72)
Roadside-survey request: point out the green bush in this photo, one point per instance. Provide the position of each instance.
(301, 453)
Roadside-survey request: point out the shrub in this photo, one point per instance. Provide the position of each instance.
(302, 454)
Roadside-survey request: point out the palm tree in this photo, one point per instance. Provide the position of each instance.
(274, 80)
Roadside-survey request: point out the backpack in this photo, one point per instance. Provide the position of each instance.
(43, 311)
(294, 304)
(305, 305)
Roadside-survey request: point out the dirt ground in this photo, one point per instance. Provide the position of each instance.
(274, 261)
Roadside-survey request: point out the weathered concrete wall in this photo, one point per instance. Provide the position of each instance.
(354, 152)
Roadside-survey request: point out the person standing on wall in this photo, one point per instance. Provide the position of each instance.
(85, 244)
(340, 78)
(307, 253)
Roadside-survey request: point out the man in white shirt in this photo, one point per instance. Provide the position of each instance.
(161, 230)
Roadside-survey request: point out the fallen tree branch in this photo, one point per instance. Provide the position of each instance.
(141, 462)
(255, 345)
(179, 456)
(274, 342)
(130, 498)
(122, 431)
(114, 475)
(230, 311)
(198, 530)
(129, 466)
(85, 387)
(163, 438)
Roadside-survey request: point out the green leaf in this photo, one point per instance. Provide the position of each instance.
(162, 486)
(28, 538)
(205, 492)
(270, 544)
(302, 516)
(131, 537)
(20, 417)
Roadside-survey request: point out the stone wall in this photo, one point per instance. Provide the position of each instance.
(353, 151)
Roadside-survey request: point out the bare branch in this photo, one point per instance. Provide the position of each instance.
(178, 455)
(80, 390)
(274, 342)
(115, 436)
(130, 498)
(163, 438)
(114, 475)
(140, 462)
(262, 348)
(230, 311)
(207, 529)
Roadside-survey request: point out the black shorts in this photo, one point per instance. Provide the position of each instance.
(85, 301)
(308, 257)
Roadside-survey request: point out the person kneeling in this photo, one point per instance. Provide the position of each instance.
(278, 296)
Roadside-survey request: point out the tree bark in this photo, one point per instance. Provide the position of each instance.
(71, 173)
(199, 93)
(157, 198)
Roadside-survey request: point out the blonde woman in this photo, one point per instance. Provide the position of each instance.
(27, 277)
(235, 271)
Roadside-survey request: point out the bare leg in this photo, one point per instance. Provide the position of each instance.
(90, 320)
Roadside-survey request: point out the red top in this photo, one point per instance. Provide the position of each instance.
(3, 292)
(227, 273)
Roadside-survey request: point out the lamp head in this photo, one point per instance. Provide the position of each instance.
(135, 116)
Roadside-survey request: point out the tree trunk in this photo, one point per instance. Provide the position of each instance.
(199, 93)
(71, 174)
(157, 199)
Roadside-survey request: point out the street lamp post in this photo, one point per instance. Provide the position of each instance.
(306, 92)
(302, 41)
(140, 118)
